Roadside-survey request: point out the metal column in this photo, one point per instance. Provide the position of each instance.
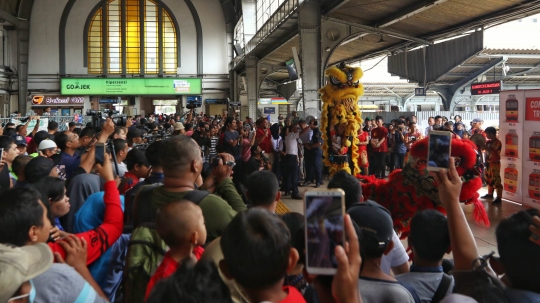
(309, 22)
(23, 34)
(252, 84)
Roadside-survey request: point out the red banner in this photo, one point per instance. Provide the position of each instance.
(532, 109)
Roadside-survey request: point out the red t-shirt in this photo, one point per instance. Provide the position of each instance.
(294, 296)
(168, 267)
(266, 143)
(380, 133)
(362, 138)
(102, 237)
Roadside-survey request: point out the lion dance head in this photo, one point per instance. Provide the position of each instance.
(340, 118)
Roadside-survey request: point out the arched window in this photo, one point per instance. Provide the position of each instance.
(132, 37)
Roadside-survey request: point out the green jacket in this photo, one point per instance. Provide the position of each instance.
(218, 211)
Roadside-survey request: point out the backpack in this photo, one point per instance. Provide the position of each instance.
(146, 249)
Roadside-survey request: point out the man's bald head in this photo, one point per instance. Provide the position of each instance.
(177, 221)
(178, 153)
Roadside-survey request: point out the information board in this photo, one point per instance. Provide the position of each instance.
(132, 86)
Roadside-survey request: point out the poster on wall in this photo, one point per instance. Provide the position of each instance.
(531, 149)
(511, 179)
(511, 117)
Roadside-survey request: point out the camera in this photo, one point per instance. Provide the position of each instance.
(264, 158)
(99, 116)
(214, 162)
(191, 106)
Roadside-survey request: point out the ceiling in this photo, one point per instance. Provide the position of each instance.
(410, 20)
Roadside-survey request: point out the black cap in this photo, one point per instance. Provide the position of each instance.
(372, 218)
(134, 133)
(38, 168)
(40, 136)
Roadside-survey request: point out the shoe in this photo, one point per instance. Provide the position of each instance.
(322, 182)
(317, 186)
(296, 197)
(487, 196)
(496, 201)
(286, 194)
(307, 183)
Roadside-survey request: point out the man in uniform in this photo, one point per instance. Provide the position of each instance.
(314, 160)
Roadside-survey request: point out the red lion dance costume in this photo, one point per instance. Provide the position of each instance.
(406, 191)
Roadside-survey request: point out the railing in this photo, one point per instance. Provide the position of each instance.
(61, 120)
(278, 17)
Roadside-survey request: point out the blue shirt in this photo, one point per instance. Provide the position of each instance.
(69, 163)
(399, 145)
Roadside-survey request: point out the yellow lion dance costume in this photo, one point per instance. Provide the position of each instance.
(340, 118)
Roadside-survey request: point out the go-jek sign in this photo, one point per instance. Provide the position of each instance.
(132, 86)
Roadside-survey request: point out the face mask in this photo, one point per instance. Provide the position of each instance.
(32, 297)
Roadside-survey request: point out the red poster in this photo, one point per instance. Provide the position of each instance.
(532, 109)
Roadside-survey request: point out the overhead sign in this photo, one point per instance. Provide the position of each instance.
(131, 86)
(420, 91)
(40, 100)
(270, 110)
(108, 101)
(486, 88)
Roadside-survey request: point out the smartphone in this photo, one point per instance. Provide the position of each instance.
(324, 230)
(439, 148)
(100, 152)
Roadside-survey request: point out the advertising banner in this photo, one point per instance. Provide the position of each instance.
(131, 86)
(39, 100)
(531, 149)
(511, 115)
(43, 123)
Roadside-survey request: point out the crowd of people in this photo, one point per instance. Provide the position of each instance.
(183, 209)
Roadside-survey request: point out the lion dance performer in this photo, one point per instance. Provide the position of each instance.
(341, 118)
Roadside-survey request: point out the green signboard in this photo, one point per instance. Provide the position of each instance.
(132, 86)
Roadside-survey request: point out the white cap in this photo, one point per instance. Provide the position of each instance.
(20, 264)
(46, 144)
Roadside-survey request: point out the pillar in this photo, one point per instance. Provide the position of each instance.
(252, 84)
(309, 23)
(23, 37)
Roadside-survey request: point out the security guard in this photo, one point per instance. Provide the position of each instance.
(314, 161)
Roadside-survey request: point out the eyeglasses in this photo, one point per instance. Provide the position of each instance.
(18, 298)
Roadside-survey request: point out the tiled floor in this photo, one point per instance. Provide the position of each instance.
(485, 236)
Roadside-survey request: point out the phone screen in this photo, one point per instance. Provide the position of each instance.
(100, 153)
(324, 230)
(439, 150)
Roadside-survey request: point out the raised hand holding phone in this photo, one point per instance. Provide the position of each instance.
(324, 211)
(439, 150)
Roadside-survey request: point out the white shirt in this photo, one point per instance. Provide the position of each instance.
(428, 129)
(291, 145)
(395, 257)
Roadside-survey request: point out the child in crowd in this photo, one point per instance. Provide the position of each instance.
(429, 240)
(138, 167)
(375, 229)
(493, 169)
(181, 226)
(258, 254)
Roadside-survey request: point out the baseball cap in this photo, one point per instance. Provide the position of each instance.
(477, 120)
(38, 168)
(134, 133)
(40, 136)
(367, 119)
(20, 140)
(373, 219)
(178, 126)
(46, 144)
(20, 264)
